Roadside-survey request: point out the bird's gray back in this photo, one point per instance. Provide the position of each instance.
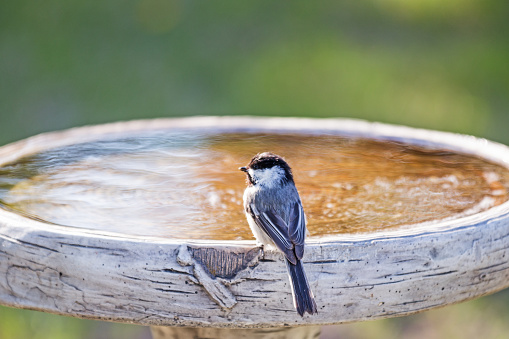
(278, 199)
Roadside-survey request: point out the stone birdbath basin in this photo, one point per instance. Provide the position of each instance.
(142, 222)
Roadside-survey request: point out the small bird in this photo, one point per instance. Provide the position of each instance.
(276, 217)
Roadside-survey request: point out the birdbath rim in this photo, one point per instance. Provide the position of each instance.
(210, 283)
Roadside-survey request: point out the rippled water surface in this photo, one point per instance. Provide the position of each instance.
(187, 185)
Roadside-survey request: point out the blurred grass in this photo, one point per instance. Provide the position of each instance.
(481, 318)
(24, 324)
(424, 63)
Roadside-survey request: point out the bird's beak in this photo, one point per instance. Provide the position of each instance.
(243, 169)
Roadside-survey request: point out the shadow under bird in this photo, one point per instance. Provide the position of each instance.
(276, 217)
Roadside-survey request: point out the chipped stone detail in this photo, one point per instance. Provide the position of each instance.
(209, 263)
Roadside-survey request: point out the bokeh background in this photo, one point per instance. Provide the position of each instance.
(425, 63)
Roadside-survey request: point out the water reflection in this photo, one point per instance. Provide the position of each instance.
(184, 185)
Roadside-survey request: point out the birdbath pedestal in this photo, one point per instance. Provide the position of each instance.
(187, 287)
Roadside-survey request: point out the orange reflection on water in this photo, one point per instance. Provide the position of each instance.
(193, 189)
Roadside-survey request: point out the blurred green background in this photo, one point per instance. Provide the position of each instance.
(425, 63)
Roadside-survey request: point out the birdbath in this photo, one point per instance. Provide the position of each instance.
(142, 222)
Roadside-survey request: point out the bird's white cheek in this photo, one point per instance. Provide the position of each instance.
(268, 177)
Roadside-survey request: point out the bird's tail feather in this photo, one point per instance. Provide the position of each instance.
(303, 298)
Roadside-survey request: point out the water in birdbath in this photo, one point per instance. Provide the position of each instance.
(187, 185)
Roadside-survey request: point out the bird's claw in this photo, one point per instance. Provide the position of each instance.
(262, 250)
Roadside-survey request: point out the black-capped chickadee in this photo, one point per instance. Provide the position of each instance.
(274, 213)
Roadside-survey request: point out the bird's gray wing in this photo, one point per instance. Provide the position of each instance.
(297, 228)
(277, 229)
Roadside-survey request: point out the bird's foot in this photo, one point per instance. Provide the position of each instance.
(262, 247)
